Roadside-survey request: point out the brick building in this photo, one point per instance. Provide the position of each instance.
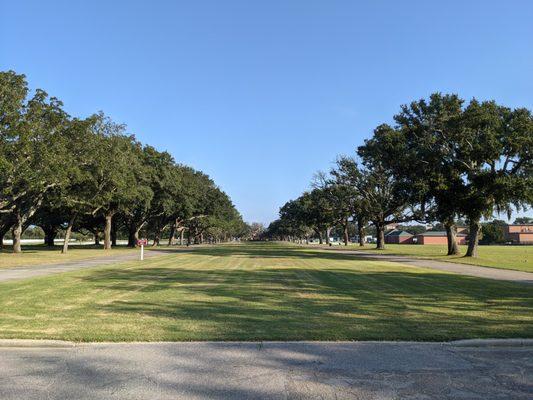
(398, 237)
(519, 234)
(438, 237)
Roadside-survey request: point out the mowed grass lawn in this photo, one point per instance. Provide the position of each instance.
(41, 255)
(508, 257)
(263, 292)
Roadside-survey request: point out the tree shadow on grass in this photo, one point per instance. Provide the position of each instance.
(312, 304)
(265, 250)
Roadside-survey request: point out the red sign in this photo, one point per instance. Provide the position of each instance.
(142, 242)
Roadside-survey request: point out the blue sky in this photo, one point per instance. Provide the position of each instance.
(261, 95)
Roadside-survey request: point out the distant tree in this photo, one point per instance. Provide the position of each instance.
(90, 225)
(255, 230)
(523, 221)
(319, 212)
(342, 198)
(116, 169)
(412, 229)
(50, 220)
(161, 185)
(383, 199)
(347, 174)
(493, 232)
(297, 219)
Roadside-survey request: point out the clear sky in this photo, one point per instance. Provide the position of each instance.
(262, 94)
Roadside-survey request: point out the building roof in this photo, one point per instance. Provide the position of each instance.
(437, 233)
(398, 233)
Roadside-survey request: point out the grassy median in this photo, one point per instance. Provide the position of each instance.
(263, 292)
(519, 258)
(35, 255)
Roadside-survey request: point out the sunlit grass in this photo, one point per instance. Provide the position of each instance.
(508, 257)
(36, 255)
(263, 292)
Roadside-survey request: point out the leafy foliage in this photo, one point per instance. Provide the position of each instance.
(89, 174)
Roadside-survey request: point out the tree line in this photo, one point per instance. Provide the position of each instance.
(442, 159)
(67, 174)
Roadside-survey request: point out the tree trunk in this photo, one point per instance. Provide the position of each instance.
(132, 239)
(380, 228)
(346, 236)
(3, 230)
(67, 234)
(182, 234)
(50, 233)
(328, 230)
(196, 236)
(107, 231)
(473, 238)
(97, 237)
(320, 237)
(113, 233)
(50, 239)
(157, 237)
(172, 234)
(361, 231)
(451, 235)
(16, 231)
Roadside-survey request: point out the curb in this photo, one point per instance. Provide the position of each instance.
(31, 343)
(37, 343)
(492, 342)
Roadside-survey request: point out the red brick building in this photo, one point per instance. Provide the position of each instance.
(438, 237)
(519, 234)
(398, 237)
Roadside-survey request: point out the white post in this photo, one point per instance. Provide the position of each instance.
(142, 252)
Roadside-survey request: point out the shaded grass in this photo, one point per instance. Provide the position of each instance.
(507, 257)
(263, 292)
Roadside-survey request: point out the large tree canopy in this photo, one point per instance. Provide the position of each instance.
(67, 174)
(441, 160)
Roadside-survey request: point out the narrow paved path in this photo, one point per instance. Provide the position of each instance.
(16, 273)
(464, 269)
(282, 370)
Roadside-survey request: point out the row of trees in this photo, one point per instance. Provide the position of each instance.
(442, 160)
(70, 174)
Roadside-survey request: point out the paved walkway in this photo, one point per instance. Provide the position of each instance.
(16, 273)
(319, 370)
(464, 269)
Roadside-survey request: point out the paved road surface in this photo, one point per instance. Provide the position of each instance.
(15, 273)
(356, 370)
(463, 269)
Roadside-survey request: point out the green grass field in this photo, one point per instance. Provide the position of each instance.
(42, 255)
(508, 257)
(263, 292)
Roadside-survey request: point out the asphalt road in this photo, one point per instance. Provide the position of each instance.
(25, 272)
(355, 370)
